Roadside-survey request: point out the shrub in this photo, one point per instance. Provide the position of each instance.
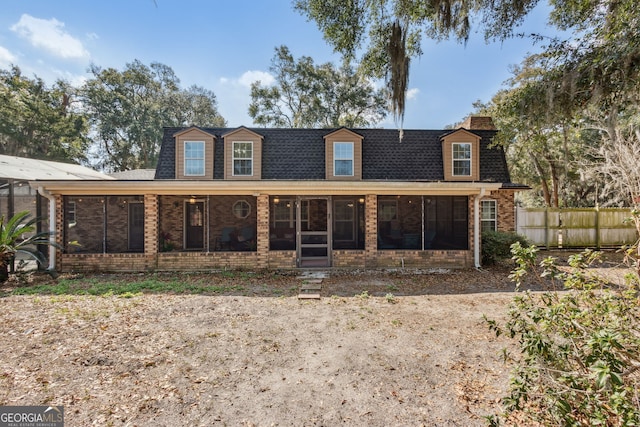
(497, 245)
(579, 359)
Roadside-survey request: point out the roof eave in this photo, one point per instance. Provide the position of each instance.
(275, 187)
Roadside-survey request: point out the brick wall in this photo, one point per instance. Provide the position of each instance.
(262, 218)
(506, 210)
(371, 230)
(104, 262)
(349, 258)
(198, 261)
(281, 259)
(423, 259)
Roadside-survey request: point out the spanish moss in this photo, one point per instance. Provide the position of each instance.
(399, 70)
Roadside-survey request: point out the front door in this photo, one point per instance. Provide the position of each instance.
(194, 225)
(136, 227)
(313, 230)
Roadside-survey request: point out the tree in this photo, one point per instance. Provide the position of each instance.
(600, 56)
(579, 349)
(309, 95)
(17, 237)
(40, 122)
(389, 32)
(544, 142)
(128, 110)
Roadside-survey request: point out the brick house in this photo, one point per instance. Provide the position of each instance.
(288, 198)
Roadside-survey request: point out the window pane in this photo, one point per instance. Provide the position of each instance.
(243, 158)
(489, 215)
(343, 158)
(462, 159)
(194, 158)
(344, 168)
(461, 151)
(242, 150)
(462, 167)
(242, 167)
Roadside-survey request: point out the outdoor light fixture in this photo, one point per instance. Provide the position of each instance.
(276, 200)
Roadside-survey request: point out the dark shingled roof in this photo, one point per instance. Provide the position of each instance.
(299, 154)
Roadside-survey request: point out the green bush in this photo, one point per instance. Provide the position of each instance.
(579, 346)
(496, 245)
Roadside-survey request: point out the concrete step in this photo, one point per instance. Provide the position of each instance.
(305, 296)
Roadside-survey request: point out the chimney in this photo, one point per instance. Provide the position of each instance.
(478, 123)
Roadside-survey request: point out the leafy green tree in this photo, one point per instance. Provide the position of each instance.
(129, 108)
(38, 121)
(545, 144)
(388, 33)
(596, 61)
(309, 95)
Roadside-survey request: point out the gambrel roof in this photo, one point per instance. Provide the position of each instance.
(299, 154)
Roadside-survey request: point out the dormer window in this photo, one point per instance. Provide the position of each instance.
(194, 158)
(343, 155)
(242, 154)
(194, 154)
(343, 158)
(242, 158)
(461, 158)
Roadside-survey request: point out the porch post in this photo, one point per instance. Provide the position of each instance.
(371, 230)
(262, 234)
(476, 228)
(151, 220)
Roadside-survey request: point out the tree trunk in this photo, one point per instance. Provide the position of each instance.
(543, 182)
(4, 272)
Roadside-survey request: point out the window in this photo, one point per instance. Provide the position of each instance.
(283, 213)
(489, 217)
(446, 223)
(343, 158)
(344, 220)
(71, 214)
(242, 158)
(387, 210)
(194, 158)
(241, 209)
(461, 159)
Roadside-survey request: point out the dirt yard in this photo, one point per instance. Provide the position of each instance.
(379, 349)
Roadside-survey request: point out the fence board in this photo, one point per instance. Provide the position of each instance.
(576, 228)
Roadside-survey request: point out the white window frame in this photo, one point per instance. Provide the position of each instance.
(71, 213)
(234, 158)
(454, 159)
(351, 158)
(485, 218)
(201, 159)
(239, 207)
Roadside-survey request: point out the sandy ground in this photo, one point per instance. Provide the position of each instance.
(379, 349)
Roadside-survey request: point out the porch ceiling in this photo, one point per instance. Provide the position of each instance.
(255, 188)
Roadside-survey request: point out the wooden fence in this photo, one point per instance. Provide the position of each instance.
(576, 228)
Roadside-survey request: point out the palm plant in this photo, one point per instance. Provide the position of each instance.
(13, 241)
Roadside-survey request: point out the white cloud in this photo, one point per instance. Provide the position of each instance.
(6, 58)
(234, 95)
(412, 93)
(252, 76)
(248, 77)
(50, 36)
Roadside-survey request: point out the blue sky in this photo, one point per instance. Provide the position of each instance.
(225, 45)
